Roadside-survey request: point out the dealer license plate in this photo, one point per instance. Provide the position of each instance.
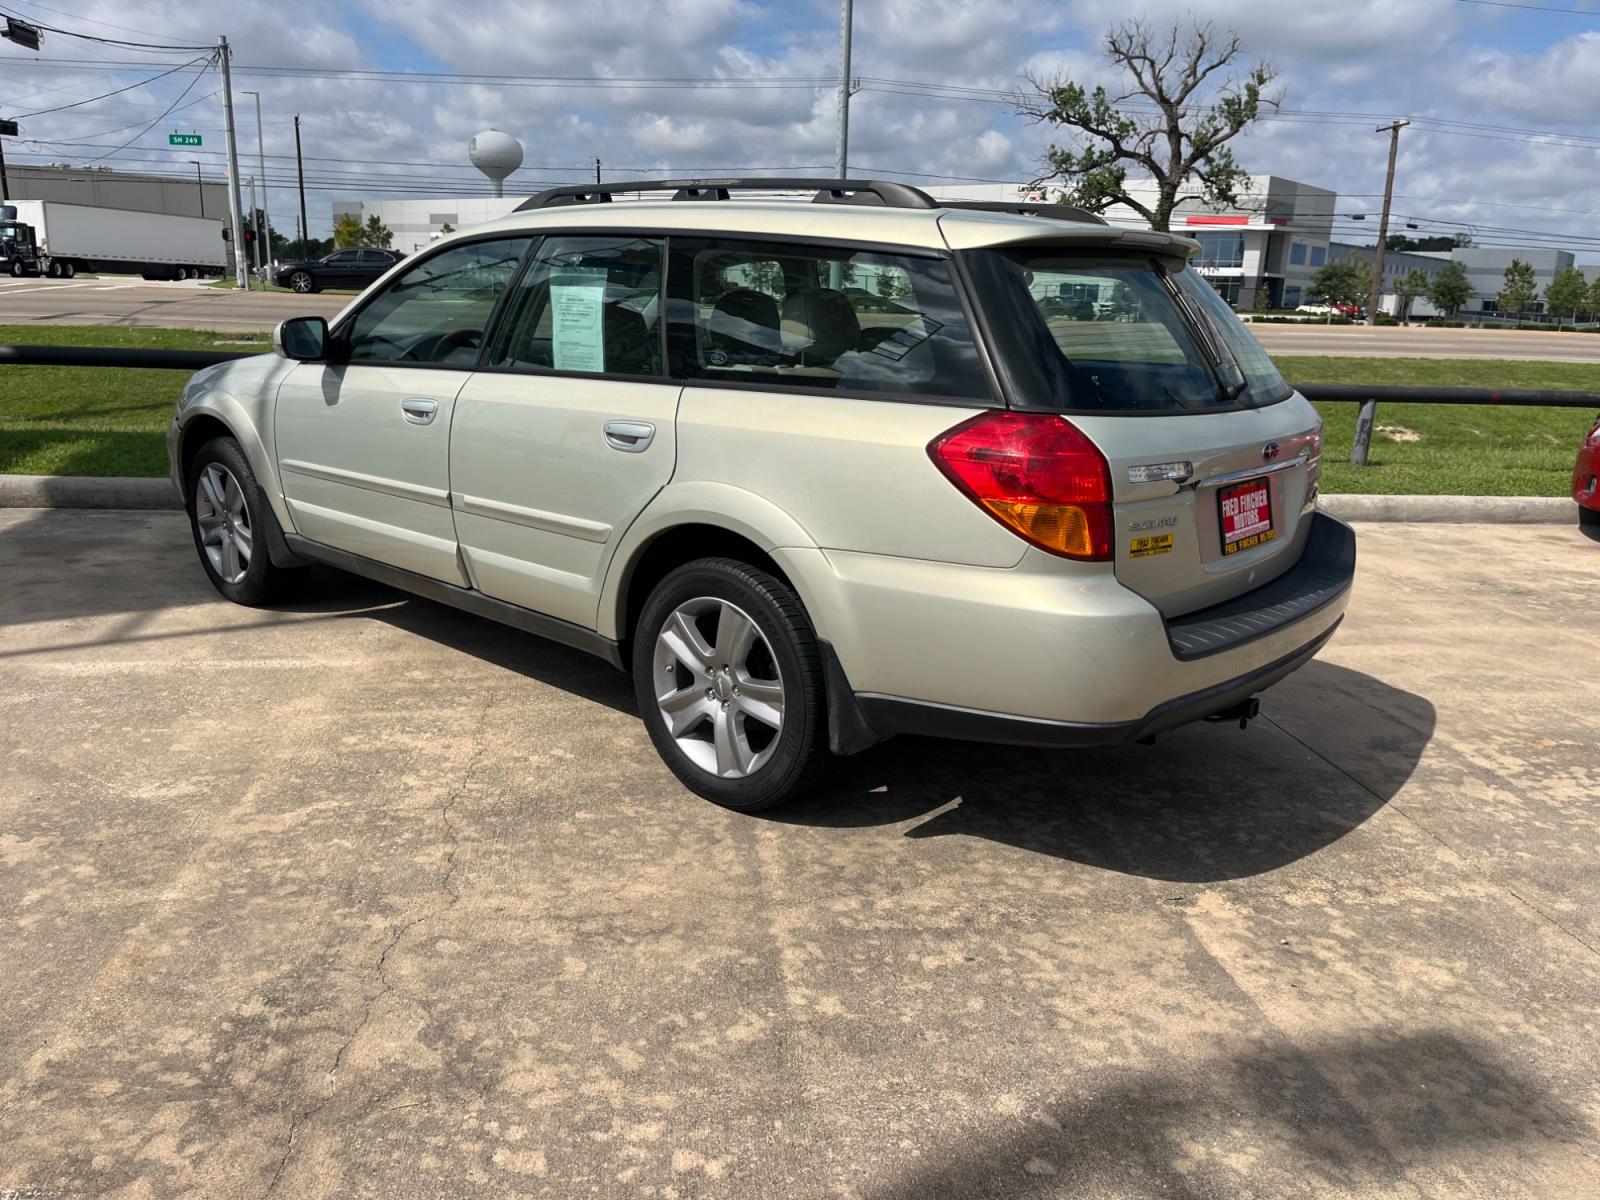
(1246, 515)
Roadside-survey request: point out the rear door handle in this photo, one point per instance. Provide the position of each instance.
(631, 437)
(419, 412)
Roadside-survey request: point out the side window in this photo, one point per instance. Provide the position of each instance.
(374, 257)
(345, 257)
(819, 317)
(437, 311)
(588, 304)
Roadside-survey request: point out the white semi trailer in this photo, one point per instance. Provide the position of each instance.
(44, 237)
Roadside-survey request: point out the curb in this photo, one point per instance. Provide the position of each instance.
(84, 491)
(1460, 510)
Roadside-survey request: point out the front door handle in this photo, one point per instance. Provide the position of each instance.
(419, 412)
(631, 437)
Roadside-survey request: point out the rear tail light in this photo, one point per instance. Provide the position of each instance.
(1035, 473)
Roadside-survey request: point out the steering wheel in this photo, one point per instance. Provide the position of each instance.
(457, 339)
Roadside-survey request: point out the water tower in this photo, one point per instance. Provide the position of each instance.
(496, 154)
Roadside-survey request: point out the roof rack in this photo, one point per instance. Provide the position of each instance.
(828, 191)
(1056, 212)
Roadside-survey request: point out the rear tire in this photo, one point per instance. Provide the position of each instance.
(232, 523)
(303, 282)
(728, 651)
(1589, 518)
(53, 270)
(69, 269)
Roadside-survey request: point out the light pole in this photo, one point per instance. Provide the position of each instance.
(199, 185)
(842, 157)
(265, 232)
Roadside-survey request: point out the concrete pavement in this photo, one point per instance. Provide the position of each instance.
(364, 897)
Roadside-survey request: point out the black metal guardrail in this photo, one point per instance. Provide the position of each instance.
(117, 356)
(1369, 397)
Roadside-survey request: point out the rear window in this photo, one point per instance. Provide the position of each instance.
(1104, 333)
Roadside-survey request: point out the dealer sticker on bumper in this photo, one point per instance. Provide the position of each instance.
(1144, 547)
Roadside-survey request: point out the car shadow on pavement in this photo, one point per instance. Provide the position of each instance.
(1361, 1114)
(1205, 803)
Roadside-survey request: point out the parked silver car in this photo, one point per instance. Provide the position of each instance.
(815, 472)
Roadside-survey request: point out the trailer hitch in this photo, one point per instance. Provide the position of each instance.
(1243, 712)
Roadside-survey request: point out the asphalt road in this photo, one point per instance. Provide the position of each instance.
(1421, 342)
(124, 301)
(364, 897)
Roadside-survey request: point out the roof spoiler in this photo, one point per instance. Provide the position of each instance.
(1056, 212)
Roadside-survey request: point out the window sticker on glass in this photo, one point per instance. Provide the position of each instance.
(577, 307)
(902, 341)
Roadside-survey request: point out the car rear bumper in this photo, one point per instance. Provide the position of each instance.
(888, 715)
(1586, 476)
(1042, 656)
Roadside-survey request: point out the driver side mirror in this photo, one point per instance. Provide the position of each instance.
(304, 339)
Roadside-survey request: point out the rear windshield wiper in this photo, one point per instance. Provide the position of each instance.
(1224, 366)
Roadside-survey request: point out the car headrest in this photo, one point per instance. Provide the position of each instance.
(745, 321)
(819, 325)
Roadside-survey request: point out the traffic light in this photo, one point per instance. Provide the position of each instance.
(23, 34)
(249, 236)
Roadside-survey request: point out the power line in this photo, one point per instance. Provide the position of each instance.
(107, 95)
(1576, 12)
(198, 76)
(89, 37)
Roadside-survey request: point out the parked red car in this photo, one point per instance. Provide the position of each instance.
(1586, 478)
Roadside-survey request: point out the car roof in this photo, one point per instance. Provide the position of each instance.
(937, 228)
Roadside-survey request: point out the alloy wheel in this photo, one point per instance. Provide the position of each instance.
(224, 521)
(718, 687)
(301, 282)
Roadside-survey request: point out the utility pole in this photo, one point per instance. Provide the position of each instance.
(842, 158)
(1393, 130)
(255, 223)
(597, 170)
(241, 273)
(5, 185)
(300, 170)
(199, 185)
(265, 231)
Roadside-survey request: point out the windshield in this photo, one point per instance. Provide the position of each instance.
(1095, 332)
(14, 231)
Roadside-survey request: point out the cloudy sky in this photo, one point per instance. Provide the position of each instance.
(1504, 96)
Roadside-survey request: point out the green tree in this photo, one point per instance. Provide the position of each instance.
(1567, 295)
(1594, 296)
(348, 231)
(1346, 282)
(1519, 289)
(1263, 299)
(1182, 146)
(1450, 288)
(376, 234)
(1407, 288)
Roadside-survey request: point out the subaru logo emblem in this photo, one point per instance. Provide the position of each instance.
(1269, 452)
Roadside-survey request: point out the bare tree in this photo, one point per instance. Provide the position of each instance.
(1182, 145)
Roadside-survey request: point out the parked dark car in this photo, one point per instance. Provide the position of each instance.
(341, 269)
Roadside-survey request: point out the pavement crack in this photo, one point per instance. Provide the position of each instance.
(397, 932)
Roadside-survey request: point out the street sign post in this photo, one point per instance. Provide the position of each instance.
(183, 139)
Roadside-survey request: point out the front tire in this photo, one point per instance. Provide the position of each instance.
(229, 518)
(303, 282)
(1588, 518)
(728, 677)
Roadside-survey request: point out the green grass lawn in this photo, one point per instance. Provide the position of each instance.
(90, 421)
(1452, 449)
